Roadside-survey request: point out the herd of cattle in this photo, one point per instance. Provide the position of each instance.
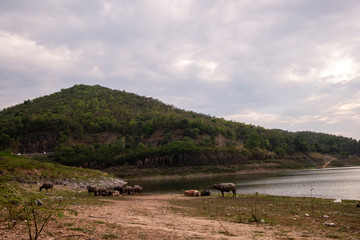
(116, 191)
(137, 189)
(222, 187)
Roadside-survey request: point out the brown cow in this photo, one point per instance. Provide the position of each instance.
(194, 193)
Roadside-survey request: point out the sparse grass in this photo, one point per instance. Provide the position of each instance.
(80, 229)
(109, 236)
(227, 234)
(281, 212)
(68, 224)
(99, 222)
(15, 167)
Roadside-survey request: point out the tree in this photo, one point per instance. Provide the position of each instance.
(253, 141)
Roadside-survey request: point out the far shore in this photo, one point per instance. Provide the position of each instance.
(201, 175)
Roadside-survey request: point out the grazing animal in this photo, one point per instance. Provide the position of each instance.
(225, 187)
(138, 189)
(101, 192)
(129, 190)
(205, 193)
(189, 192)
(119, 189)
(91, 189)
(115, 193)
(196, 193)
(47, 186)
(192, 193)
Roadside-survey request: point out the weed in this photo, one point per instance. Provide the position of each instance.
(69, 224)
(109, 236)
(226, 233)
(332, 235)
(80, 229)
(36, 217)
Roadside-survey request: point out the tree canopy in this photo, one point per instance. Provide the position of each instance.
(97, 127)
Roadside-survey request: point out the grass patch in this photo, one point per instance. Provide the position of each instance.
(109, 236)
(303, 214)
(13, 167)
(68, 224)
(80, 229)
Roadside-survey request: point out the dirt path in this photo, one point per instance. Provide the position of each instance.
(145, 217)
(151, 217)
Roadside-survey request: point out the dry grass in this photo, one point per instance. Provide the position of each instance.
(313, 217)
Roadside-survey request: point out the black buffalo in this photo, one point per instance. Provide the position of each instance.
(205, 193)
(47, 186)
(225, 187)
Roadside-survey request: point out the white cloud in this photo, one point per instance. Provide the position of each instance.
(20, 52)
(205, 70)
(286, 64)
(340, 70)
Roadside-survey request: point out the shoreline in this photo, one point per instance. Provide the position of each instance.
(203, 175)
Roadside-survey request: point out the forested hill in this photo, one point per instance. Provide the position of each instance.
(93, 126)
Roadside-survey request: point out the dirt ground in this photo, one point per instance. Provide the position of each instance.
(146, 217)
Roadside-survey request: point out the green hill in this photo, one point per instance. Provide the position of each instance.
(96, 127)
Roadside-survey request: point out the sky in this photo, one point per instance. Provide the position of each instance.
(290, 65)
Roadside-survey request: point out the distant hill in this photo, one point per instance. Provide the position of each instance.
(96, 127)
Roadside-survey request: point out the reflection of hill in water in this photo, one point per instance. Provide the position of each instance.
(331, 183)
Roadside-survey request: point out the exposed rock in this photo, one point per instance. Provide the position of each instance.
(75, 184)
(38, 202)
(330, 224)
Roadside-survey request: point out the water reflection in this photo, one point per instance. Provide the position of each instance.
(324, 183)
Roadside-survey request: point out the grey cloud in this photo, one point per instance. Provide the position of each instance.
(278, 64)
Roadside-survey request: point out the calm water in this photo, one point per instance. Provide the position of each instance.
(332, 183)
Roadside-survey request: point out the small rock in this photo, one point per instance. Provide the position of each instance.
(38, 202)
(326, 216)
(330, 224)
(307, 215)
(262, 221)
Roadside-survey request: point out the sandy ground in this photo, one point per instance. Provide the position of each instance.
(146, 217)
(152, 216)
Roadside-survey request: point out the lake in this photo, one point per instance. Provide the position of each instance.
(334, 183)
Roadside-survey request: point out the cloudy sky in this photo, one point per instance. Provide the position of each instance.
(292, 65)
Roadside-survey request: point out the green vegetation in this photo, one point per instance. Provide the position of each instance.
(96, 127)
(313, 217)
(20, 206)
(24, 207)
(25, 169)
